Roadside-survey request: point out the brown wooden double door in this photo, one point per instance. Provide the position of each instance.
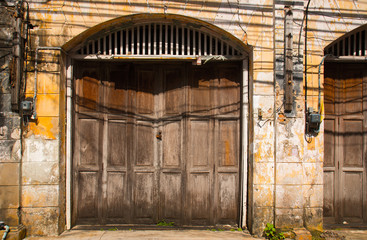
(345, 194)
(156, 141)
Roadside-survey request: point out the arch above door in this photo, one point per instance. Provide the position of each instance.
(156, 36)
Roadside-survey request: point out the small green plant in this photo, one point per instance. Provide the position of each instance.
(113, 229)
(271, 233)
(236, 229)
(164, 223)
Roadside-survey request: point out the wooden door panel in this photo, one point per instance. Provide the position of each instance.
(87, 88)
(228, 143)
(117, 144)
(171, 196)
(353, 143)
(352, 204)
(329, 194)
(174, 94)
(200, 91)
(145, 140)
(200, 138)
(116, 89)
(118, 201)
(228, 99)
(172, 144)
(88, 136)
(228, 198)
(144, 200)
(353, 92)
(330, 141)
(199, 198)
(146, 79)
(329, 90)
(88, 195)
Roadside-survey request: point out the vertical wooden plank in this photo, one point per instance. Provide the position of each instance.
(199, 33)
(127, 41)
(133, 40)
(194, 42)
(138, 40)
(183, 40)
(188, 41)
(160, 39)
(149, 39)
(166, 39)
(144, 36)
(210, 45)
(155, 39)
(172, 42)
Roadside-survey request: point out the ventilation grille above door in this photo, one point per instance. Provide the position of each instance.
(159, 40)
(351, 44)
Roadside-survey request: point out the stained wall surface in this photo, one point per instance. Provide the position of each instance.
(284, 170)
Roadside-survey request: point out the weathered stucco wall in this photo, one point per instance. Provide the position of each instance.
(9, 126)
(285, 172)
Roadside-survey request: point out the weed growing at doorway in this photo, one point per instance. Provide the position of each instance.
(271, 233)
(113, 229)
(215, 229)
(236, 229)
(164, 223)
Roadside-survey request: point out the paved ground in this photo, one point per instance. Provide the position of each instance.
(349, 234)
(148, 234)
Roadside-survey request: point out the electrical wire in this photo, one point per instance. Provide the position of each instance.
(271, 116)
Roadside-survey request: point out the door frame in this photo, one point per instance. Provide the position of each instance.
(244, 139)
(245, 55)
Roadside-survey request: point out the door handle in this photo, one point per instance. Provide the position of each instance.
(159, 135)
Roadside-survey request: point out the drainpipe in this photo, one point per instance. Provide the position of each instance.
(5, 227)
(34, 116)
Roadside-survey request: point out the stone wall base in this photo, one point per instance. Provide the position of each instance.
(15, 233)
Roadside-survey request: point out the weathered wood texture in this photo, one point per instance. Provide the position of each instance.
(345, 195)
(157, 141)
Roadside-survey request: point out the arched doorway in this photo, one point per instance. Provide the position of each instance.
(345, 161)
(157, 123)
